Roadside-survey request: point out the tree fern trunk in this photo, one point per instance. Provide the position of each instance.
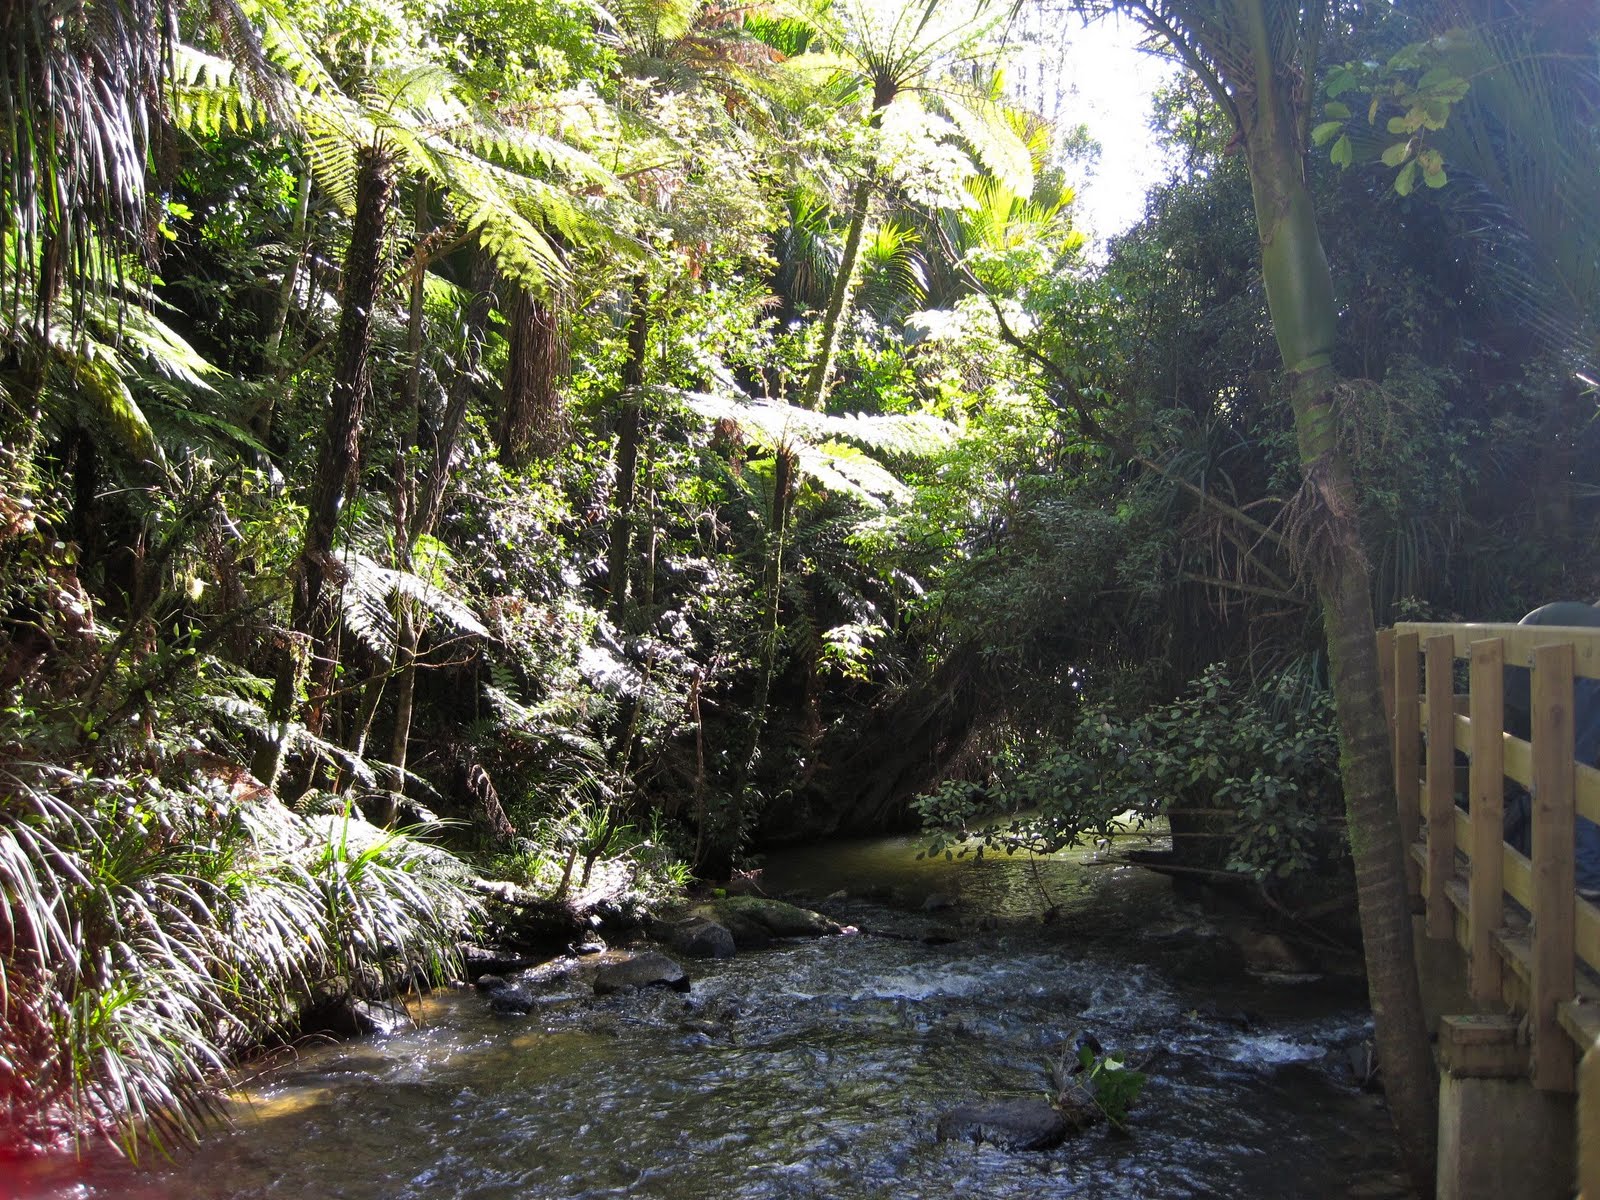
(536, 362)
(315, 614)
(618, 554)
(1305, 324)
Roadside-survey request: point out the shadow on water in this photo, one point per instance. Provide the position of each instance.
(818, 1069)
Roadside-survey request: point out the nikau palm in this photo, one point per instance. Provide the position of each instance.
(1258, 59)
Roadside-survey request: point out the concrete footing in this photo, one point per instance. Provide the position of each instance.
(1499, 1136)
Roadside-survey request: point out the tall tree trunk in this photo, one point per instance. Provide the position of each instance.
(314, 616)
(299, 246)
(732, 827)
(425, 515)
(536, 365)
(407, 620)
(1305, 323)
(617, 556)
(815, 392)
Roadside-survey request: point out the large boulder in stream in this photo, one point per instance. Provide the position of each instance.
(755, 921)
(699, 937)
(640, 971)
(1008, 1124)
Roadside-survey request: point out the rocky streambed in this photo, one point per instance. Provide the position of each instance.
(827, 1062)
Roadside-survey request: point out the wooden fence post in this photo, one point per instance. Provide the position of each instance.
(1441, 803)
(1386, 674)
(1554, 974)
(1407, 743)
(1485, 901)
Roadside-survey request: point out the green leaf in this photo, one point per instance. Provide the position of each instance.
(1396, 154)
(1337, 110)
(1340, 80)
(1343, 154)
(1323, 132)
(1407, 179)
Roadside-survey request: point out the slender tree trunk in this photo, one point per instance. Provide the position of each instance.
(814, 394)
(314, 616)
(617, 556)
(291, 273)
(407, 623)
(1305, 322)
(428, 505)
(733, 827)
(536, 365)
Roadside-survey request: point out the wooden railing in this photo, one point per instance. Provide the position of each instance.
(1533, 944)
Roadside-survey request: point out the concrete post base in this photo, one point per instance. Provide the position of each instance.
(1499, 1136)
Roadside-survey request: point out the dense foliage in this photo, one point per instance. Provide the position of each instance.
(637, 433)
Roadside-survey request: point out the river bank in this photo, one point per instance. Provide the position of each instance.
(819, 1068)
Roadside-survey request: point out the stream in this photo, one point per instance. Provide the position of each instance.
(818, 1069)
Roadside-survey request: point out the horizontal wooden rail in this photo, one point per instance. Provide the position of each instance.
(1520, 641)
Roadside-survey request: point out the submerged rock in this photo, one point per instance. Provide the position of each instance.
(1008, 1124)
(640, 971)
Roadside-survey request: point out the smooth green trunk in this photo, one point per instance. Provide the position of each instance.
(1305, 322)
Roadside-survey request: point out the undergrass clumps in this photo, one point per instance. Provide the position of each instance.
(152, 931)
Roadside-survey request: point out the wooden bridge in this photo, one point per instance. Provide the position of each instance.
(1520, 1029)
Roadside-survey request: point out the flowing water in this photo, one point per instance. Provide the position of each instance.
(818, 1069)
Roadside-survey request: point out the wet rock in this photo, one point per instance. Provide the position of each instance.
(380, 1018)
(1008, 1124)
(701, 937)
(940, 935)
(483, 960)
(938, 902)
(1241, 1019)
(1268, 953)
(342, 1015)
(640, 971)
(512, 1000)
(585, 949)
(774, 918)
(488, 983)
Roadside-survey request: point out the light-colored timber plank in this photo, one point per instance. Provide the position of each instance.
(1487, 824)
(1554, 888)
(1520, 640)
(1440, 802)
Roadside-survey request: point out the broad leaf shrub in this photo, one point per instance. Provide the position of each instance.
(1256, 763)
